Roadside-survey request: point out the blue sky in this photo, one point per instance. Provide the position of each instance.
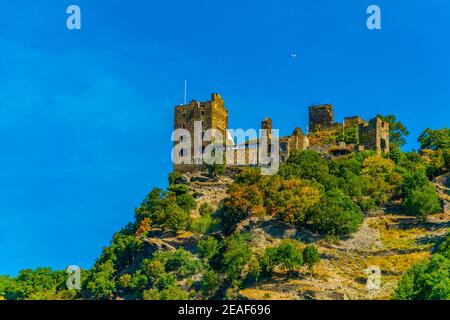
(86, 116)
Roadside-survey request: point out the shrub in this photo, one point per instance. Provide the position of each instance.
(289, 255)
(422, 202)
(426, 281)
(311, 256)
(237, 254)
(152, 268)
(208, 247)
(379, 178)
(306, 165)
(175, 177)
(181, 262)
(100, 285)
(173, 217)
(165, 280)
(336, 215)
(210, 283)
(202, 225)
(151, 294)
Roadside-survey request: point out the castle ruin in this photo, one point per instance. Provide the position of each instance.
(325, 135)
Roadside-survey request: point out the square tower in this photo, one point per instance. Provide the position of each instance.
(321, 117)
(212, 114)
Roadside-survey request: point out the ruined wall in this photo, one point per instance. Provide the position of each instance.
(321, 117)
(375, 135)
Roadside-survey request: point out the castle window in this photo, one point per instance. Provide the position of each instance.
(181, 152)
(283, 147)
(184, 126)
(203, 113)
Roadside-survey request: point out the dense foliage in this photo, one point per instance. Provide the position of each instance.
(428, 280)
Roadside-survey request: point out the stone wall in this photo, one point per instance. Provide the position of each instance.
(375, 135)
(212, 114)
(321, 117)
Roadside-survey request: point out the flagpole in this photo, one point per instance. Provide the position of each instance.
(185, 92)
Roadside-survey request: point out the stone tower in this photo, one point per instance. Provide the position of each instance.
(321, 117)
(212, 114)
(375, 135)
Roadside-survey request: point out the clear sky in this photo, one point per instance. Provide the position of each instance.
(86, 116)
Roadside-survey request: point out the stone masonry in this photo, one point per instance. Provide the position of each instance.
(372, 135)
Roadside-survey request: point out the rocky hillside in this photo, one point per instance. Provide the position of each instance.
(342, 228)
(388, 241)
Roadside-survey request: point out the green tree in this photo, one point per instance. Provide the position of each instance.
(435, 139)
(423, 202)
(289, 255)
(181, 262)
(101, 284)
(379, 179)
(426, 281)
(350, 135)
(152, 268)
(237, 254)
(336, 215)
(268, 261)
(208, 247)
(254, 270)
(210, 283)
(165, 281)
(311, 257)
(308, 165)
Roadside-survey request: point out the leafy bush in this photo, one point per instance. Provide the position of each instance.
(379, 179)
(287, 255)
(208, 247)
(423, 202)
(165, 281)
(237, 253)
(101, 285)
(181, 262)
(210, 283)
(306, 165)
(311, 256)
(337, 215)
(428, 280)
